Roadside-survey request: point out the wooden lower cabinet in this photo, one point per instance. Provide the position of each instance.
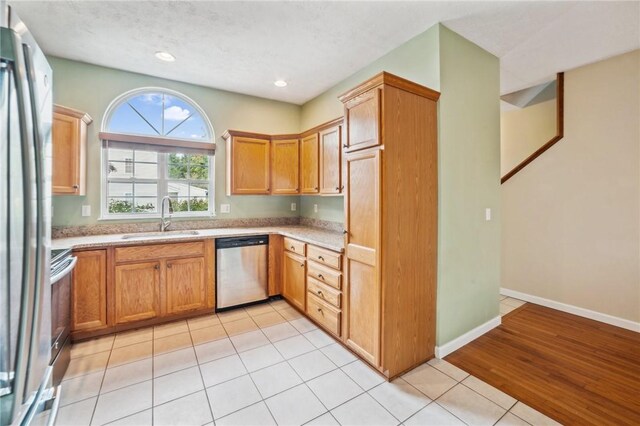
(293, 279)
(89, 291)
(186, 285)
(117, 288)
(137, 292)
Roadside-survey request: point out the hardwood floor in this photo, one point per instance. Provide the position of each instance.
(575, 370)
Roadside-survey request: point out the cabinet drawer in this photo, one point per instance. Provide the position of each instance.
(294, 246)
(324, 274)
(324, 314)
(159, 251)
(324, 292)
(326, 257)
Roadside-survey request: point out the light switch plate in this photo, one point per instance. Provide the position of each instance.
(86, 210)
(315, 208)
(293, 207)
(225, 208)
(487, 214)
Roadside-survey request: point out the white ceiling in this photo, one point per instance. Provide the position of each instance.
(245, 46)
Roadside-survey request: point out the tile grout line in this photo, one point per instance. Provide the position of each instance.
(204, 387)
(253, 381)
(104, 373)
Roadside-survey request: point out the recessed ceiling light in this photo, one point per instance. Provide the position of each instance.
(280, 83)
(165, 56)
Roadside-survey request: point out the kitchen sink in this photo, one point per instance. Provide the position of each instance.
(159, 234)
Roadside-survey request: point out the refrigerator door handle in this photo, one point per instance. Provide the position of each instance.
(28, 301)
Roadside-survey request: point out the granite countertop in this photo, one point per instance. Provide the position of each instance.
(320, 237)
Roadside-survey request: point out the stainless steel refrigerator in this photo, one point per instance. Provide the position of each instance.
(26, 393)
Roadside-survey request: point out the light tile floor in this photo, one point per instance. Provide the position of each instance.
(508, 304)
(264, 365)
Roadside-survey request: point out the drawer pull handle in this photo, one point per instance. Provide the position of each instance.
(321, 276)
(293, 248)
(320, 310)
(320, 293)
(320, 257)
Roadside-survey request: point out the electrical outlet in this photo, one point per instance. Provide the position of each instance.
(315, 208)
(487, 214)
(86, 210)
(225, 208)
(293, 207)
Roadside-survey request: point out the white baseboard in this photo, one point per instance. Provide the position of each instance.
(457, 343)
(575, 310)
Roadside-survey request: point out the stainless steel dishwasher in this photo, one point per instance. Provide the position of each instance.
(241, 270)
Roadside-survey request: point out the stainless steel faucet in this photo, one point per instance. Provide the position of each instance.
(165, 223)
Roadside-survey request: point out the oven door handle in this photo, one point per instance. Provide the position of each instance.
(55, 278)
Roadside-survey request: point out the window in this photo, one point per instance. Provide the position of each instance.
(156, 143)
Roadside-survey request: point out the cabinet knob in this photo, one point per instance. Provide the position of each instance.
(345, 232)
(156, 267)
(344, 145)
(319, 293)
(320, 310)
(316, 188)
(293, 248)
(168, 265)
(76, 186)
(302, 265)
(320, 257)
(321, 276)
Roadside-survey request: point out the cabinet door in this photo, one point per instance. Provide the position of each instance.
(186, 285)
(285, 170)
(330, 150)
(66, 154)
(309, 165)
(362, 116)
(250, 171)
(293, 279)
(89, 291)
(362, 242)
(136, 292)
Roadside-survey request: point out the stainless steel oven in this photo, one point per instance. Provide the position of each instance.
(62, 264)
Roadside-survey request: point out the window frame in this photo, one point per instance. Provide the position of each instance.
(162, 179)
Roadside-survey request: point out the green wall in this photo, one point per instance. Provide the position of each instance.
(91, 89)
(329, 208)
(469, 173)
(469, 167)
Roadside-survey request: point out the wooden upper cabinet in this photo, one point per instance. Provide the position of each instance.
(69, 140)
(89, 291)
(330, 160)
(309, 159)
(362, 118)
(136, 292)
(293, 279)
(285, 166)
(248, 165)
(186, 285)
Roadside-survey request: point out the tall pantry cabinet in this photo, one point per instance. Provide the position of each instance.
(391, 200)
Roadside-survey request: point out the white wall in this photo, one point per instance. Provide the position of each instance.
(571, 218)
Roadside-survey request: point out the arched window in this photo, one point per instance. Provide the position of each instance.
(156, 143)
